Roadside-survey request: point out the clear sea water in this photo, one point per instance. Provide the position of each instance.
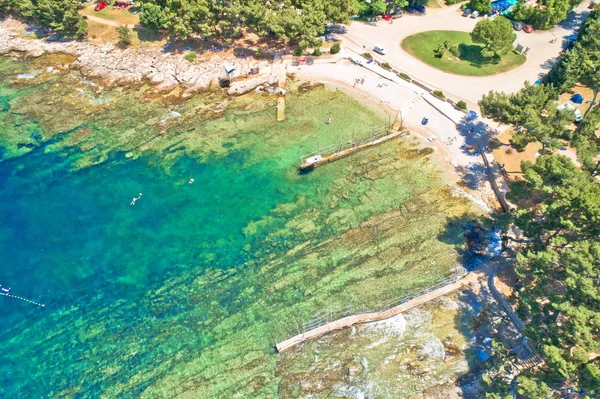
(185, 293)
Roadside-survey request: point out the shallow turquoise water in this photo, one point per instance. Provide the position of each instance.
(185, 293)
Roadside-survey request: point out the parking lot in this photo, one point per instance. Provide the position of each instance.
(544, 48)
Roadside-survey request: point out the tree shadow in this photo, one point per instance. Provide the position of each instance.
(147, 35)
(474, 176)
(472, 54)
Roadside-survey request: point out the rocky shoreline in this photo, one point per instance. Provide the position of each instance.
(116, 67)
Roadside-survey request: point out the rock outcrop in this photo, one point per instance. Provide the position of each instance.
(116, 67)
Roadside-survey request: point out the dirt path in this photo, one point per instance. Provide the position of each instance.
(111, 23)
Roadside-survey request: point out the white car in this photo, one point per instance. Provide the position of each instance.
(475, 14)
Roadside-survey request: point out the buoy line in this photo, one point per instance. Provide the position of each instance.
(24, 299)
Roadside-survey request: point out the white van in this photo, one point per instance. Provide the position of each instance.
(379, 49)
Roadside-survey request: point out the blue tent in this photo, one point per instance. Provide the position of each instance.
(577, 98)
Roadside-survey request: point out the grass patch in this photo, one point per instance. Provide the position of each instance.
(469, 63)
(125, 17)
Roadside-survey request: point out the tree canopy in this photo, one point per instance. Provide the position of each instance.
(61, 16)
(301, 20)
(483, 6)
(552, 12)
(496, 35)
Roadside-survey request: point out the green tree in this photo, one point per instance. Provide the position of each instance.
(495, 35)
(378, 7)
(532, 389)
(152, 16)
(483, 6)
(544, 126)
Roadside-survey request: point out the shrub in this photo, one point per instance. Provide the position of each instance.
(298, 52)
(191, 56)
(335, 48)
(509, 151)
(368, 56)
(124, 36)
(462, 105)
(386, 66)
(439, 94)
(317, 52)
(258, 53)
(404, 76)
(318, 42)
(455, 51)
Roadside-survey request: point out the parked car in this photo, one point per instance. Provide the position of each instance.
(379, 50)
(101, 5)
(397, 14)
(517, 25)
(475, 14)
(386, 17)
(420, 8)
(527, 28)
(410, 10)
(466, 12)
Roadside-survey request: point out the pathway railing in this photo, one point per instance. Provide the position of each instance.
(327, 316)
(336, 148)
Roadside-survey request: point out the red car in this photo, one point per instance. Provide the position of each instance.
(527, 28)
(387, 17)
(100, 6)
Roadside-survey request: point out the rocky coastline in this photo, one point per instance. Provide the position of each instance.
(116, 67)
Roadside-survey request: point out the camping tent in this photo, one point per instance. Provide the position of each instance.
(577, 98)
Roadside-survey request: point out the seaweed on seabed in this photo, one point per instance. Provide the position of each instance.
(308, 86)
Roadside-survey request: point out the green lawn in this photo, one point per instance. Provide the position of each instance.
(470, 62)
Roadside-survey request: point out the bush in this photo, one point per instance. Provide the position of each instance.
(450, 2)
(318, 42)
(191, 56)
(462, 105)
(405, 76)
(258, 53)
(509, 151)
(455, 51)
(124, 36)
(298, 52)
(439, 94)
(386, 66)
(317, 52)
(335, 48)
(368, 56)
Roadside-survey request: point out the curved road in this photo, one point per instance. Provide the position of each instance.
(362, 37)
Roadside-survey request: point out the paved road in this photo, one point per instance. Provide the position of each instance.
(542, 54)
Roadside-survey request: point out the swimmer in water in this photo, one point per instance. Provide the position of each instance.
(135, 199)
(191, 181)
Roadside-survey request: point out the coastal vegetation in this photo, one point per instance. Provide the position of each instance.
(457, 52)
(60, 16)
(300, 22)
(543, 16)
(124, 36)
(558, 215)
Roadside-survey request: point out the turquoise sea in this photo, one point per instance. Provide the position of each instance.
(185, 293)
